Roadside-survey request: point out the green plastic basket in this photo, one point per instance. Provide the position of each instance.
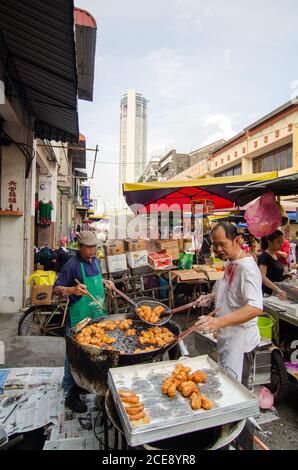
(265, 325)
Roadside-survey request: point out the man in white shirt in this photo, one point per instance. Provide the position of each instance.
(238, 298)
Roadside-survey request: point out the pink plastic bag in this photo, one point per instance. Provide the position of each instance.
(265, 397)
(263, 217)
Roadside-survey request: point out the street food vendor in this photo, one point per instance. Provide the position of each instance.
(271, 268)
(85, 268)
(238, 298)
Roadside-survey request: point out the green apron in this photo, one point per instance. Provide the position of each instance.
(86, 307)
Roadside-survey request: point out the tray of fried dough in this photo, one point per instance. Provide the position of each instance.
(172, 400)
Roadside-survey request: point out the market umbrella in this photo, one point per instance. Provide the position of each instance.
(160, 195)
(283, 186)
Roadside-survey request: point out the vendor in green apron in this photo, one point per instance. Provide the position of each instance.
(84, 267)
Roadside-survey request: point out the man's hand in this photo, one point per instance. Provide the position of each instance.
(80, 289)
(207, 324)
(109, 284)
(205, 300)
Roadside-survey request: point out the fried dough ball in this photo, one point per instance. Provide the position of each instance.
(140, 350)
(149, 314)
(136, 417)
(196, 401)
(130, 332)
(206, 403)
(144, 420)
(125, 324)
(126, 393)
(187, 388)
(198, 377)
(183, 380)
(134, 410)
(130, 399)
(157, 336)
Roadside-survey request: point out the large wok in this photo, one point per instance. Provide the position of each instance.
(89, 366)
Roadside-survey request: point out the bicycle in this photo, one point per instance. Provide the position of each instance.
(44, 320)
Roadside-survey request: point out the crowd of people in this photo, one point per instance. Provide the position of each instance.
(275, 255)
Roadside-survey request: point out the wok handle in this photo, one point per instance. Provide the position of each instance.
(119, 292)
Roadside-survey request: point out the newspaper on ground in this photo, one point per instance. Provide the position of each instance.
(32, 398)
(30, 410)
(77, 443)
(72, 425)
(18, 380)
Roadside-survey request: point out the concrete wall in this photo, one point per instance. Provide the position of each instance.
(12, 229)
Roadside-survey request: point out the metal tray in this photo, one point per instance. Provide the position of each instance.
(169, 418)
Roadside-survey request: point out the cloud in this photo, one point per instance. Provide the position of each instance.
(222, 125)
(227, 55)
(189, 15)
(171, 72)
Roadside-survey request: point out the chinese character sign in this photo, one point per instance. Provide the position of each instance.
(12, 195)
(86, 196)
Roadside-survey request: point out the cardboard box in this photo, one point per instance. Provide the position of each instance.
(211, 273)
(159, 260)
(137, 259)
(135, 245)
(188, 244)
(167, 244)
(115, 247)
(181, 244)
(103, 265)
(172, 253)
(116, 263)
(188, 275)
(41, 295)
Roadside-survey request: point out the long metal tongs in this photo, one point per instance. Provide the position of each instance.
(183, 335)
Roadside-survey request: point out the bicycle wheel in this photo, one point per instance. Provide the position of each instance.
(41, 320)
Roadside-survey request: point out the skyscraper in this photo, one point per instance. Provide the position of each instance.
(133, 139)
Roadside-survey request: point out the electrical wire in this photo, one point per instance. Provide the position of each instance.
(23, 148)
(94, 430)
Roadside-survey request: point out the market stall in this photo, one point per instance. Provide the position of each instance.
(159, 195)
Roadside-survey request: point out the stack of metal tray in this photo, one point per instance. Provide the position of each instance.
(174, 417)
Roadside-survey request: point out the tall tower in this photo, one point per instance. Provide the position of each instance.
(133, 139)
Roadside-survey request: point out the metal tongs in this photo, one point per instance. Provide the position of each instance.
(92, 297)
(182, 335)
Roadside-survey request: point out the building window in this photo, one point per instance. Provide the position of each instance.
(235, 170)
(265, 139)
(235, 154)
(278, 159)
(243, 149)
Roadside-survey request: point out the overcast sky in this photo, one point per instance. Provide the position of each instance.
(208, 70)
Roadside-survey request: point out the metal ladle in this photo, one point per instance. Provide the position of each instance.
(152, 304)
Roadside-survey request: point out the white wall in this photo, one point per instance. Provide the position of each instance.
(12, 228)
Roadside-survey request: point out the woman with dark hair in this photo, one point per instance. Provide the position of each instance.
(271, 268)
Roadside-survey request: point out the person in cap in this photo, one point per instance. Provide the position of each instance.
(85, 268)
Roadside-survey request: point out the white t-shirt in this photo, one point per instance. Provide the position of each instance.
(244, 287)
